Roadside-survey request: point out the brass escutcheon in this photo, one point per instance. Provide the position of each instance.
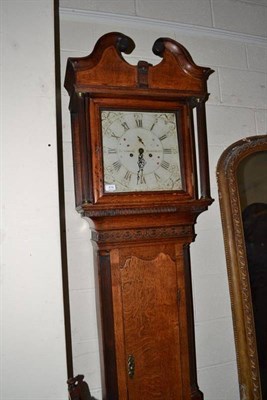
(131, 366)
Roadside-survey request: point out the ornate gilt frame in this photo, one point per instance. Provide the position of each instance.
(239, 286)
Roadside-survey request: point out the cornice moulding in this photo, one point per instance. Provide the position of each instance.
(86, 15)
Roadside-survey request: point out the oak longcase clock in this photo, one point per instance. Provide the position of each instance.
(141, 178)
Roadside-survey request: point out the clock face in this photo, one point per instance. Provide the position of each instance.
(140, 151)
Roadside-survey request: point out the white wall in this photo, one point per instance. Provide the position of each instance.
(230, 37)
(32, 328)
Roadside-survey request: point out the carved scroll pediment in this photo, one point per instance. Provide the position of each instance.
(104, 67)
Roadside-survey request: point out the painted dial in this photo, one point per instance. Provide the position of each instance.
(140, 151)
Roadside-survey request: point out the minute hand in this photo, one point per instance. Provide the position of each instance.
(141, 163)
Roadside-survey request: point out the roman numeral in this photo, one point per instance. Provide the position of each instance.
(153, 126)
(128, 176)
(167, 151)
(115, 136)
(164, 164)
(163, 137)
(157, 177)
(125, 126)
(112, 151)
(142, 180)
(117, 165)
(139, 123)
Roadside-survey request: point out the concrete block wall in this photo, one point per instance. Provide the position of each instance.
(230, 37)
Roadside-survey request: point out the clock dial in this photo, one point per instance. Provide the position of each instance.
(140, 151)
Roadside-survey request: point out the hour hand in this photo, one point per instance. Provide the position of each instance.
(140, 140)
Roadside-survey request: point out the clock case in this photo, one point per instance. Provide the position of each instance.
(136, 233)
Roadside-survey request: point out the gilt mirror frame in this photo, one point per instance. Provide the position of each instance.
(237, 266)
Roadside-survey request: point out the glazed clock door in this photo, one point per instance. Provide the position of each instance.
(149, 291)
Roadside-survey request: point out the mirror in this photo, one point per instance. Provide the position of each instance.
(242, 185)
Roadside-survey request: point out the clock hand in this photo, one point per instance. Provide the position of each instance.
(140, 140)
(141, 163)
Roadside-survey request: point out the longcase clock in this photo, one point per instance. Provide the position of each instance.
(141, 178)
